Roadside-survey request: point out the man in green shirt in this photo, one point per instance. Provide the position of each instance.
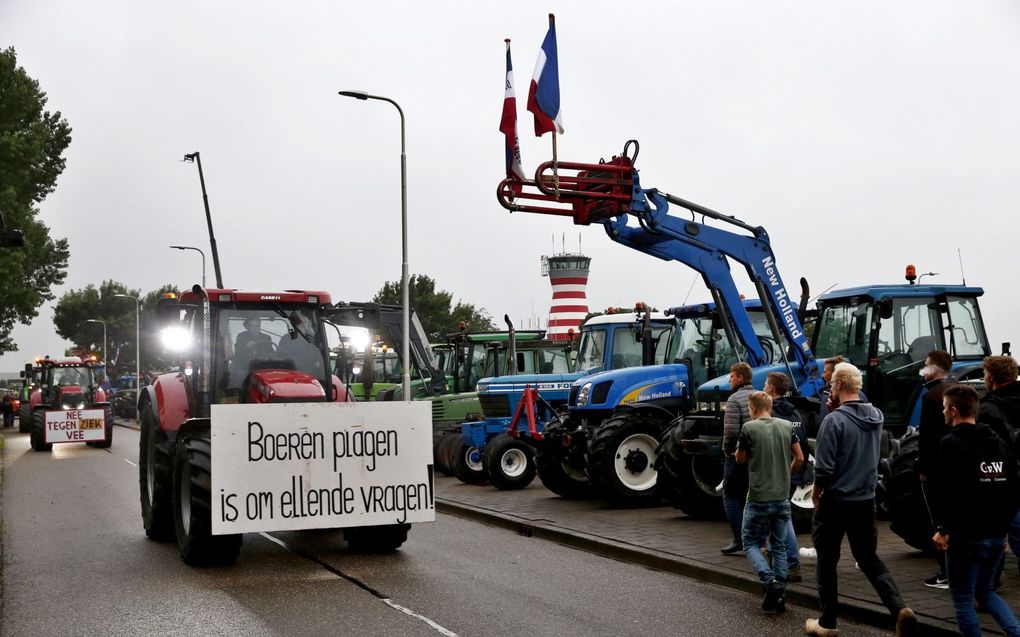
(772, 452)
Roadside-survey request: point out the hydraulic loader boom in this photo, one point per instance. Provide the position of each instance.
(610, 192)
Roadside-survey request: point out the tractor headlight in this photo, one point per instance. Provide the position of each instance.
(582, 396)
(482, 388)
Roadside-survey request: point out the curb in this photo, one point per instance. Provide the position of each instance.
(872, 614)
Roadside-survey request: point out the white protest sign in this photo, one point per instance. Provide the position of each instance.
(290, 466)
(75, 425)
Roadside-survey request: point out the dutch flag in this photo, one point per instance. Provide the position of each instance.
(544, 97)
(508, 123)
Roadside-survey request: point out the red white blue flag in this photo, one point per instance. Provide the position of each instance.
(544, 96)
(508, 123)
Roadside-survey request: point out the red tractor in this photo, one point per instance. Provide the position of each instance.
(68, 405)
(237, 348)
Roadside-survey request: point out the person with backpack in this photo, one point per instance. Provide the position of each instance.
(978, 484)
(1000, 410)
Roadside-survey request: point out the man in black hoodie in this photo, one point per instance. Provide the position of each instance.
(978, 486)
(847, 451)
(931, 429)
(1000, 410)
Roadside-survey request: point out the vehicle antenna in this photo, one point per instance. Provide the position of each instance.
(959, 256)
(823, 292)
(689, 290)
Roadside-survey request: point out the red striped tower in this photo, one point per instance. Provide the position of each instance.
(568, 274)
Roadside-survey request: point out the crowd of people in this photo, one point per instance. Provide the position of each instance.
(967, 467)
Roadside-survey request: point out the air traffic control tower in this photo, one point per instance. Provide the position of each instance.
(568, 274)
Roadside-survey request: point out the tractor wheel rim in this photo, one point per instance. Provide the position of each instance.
(706, 483)
(150, 469)
(514, 463)
(184, 490)
(801, 497)
(573, 472)
(473, 458)
(634, 462)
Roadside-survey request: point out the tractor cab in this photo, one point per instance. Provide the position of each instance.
(67, 383)
(888, 330)
(263, 347)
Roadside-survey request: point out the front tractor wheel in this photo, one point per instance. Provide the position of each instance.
(621, 460)
(467, 463)
(509, 462)
(37, 435)
(376, 539)
(155, 479)
(192, 510)
(690, 481)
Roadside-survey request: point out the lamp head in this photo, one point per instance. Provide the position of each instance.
(358, 95)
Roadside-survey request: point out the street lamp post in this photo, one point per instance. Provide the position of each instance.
(203, 259)
(138, 349)
(406, 293)
(103, 323)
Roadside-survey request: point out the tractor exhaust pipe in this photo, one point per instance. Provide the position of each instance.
(204, 384)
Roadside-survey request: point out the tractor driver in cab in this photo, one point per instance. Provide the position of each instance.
(250, 344)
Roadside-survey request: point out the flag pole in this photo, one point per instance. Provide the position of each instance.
(556, 174)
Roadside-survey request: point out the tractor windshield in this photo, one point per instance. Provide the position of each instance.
(843, 330)
(250, 337)
(591, 350)
(72, 377)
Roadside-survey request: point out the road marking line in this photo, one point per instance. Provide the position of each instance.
(350, 578)
(130, 463)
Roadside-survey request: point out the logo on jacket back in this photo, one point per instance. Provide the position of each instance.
(992, 471)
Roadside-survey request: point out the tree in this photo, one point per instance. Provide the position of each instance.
(435, 310)
(90, 302)
(32, 143)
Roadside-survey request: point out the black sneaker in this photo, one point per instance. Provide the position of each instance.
(731, 548)
(938, 580)
(775, 600)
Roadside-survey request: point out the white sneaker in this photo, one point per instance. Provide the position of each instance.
(808, 552)
(719, 488)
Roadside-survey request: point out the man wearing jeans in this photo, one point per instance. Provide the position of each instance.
(847, 451)
(771, 452)
(978, 482)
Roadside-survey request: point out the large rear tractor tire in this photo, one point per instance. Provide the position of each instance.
(444, 452)
(689, 481)
(509, 462)
(37, 435)
(621, 460)
(467, 463)
(192, 510)
(558, 469)
(155, 480)
(376, 539)
(908, 513)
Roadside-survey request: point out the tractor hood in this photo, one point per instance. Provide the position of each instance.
(71, 396)
(283, 386)
(516, 384)
(630, 385)
(720, 387)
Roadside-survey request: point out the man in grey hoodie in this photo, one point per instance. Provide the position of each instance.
(847, 452)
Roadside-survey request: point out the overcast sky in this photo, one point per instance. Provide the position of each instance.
(862, 135)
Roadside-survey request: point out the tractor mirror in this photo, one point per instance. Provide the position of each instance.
(520, 362)
(27, 372)
(885, 307)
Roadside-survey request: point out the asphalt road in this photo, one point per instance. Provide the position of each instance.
(78, 563)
